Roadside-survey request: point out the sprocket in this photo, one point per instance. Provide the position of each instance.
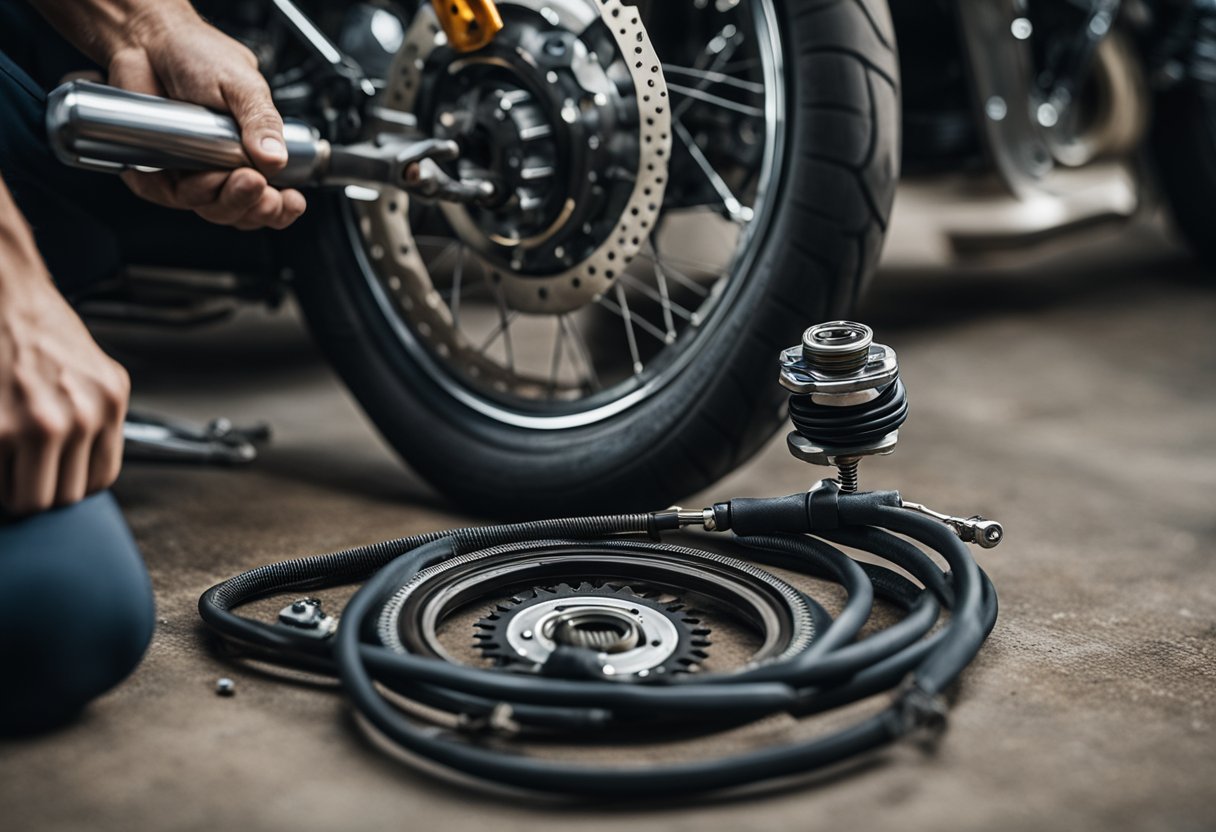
(634, 634)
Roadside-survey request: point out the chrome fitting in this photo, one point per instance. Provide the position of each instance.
(981, 531)
(703, 517)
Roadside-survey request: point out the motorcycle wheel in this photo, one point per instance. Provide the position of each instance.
(700, 396)
(1184, 149)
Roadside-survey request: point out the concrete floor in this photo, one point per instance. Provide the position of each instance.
(1074, 402)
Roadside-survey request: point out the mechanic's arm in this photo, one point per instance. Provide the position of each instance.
(62, 400)
(163, 47)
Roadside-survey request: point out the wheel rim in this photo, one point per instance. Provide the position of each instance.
(626, 344)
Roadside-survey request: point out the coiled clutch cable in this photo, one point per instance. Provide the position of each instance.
(591, 634)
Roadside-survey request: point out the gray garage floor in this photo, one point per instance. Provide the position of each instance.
(1075, 402)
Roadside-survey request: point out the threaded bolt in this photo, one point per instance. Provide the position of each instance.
(848, 476)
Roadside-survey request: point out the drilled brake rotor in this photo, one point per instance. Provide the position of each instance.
(580, 104)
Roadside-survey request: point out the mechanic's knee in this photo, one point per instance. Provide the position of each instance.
(76, 612)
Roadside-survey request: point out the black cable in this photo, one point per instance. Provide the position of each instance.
(837, 667)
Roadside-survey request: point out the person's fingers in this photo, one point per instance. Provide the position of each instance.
(242, 191)
(198, 190)
(35, 470)
(157, 188)
(74, 466)
(294, 205)
(131, 70)
(248, 98)
(276, 209)
(105, 459)
(260, 215)
(177, 190)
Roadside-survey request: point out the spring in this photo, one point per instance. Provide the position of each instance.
(848, 478)
(853, 426)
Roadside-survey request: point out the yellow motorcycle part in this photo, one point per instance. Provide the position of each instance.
(469, 24)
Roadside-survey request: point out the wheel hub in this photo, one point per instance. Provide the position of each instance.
(505, 135)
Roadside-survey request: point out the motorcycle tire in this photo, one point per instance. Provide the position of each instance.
(1184, 149)
(829, 217)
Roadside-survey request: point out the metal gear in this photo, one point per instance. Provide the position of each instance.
(634, 634)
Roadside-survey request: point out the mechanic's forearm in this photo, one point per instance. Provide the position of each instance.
(21, 268)
(102, 28)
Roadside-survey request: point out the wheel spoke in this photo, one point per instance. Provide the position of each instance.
(737, 211)
(716, 100)
(714, 57)
(558, 336)
(582, 350)
(660, 280)
(505, 318)
(621, 309)
(711, 77)
(735, 66)
(501, 329)
(633, 344)
(659, 297)
(457, 277)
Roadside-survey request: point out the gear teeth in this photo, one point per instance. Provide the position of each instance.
(585, 586)
(674, 607)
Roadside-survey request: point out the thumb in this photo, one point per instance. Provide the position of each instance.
(261, 125)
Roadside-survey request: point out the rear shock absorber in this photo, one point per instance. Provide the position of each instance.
(846, 399)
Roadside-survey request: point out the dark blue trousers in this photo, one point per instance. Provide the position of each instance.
(76, 612)
(75, 601)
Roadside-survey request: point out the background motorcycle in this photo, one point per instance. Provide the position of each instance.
(1031, 122)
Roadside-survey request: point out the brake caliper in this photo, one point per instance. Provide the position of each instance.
(468, 24)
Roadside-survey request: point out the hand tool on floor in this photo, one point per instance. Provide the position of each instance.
(149, 438)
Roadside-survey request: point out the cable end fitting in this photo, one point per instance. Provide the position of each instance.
(923, 717)
(677, 518)
(981, 531)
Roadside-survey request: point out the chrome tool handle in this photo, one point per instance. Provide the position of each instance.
(99, 127)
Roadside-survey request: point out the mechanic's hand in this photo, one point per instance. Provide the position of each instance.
(62, 400)
(170, 51)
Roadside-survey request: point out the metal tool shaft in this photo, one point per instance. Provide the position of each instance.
(100, 127)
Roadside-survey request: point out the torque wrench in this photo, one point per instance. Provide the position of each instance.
(99, 127)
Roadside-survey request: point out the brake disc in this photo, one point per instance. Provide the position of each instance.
(580, 95)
